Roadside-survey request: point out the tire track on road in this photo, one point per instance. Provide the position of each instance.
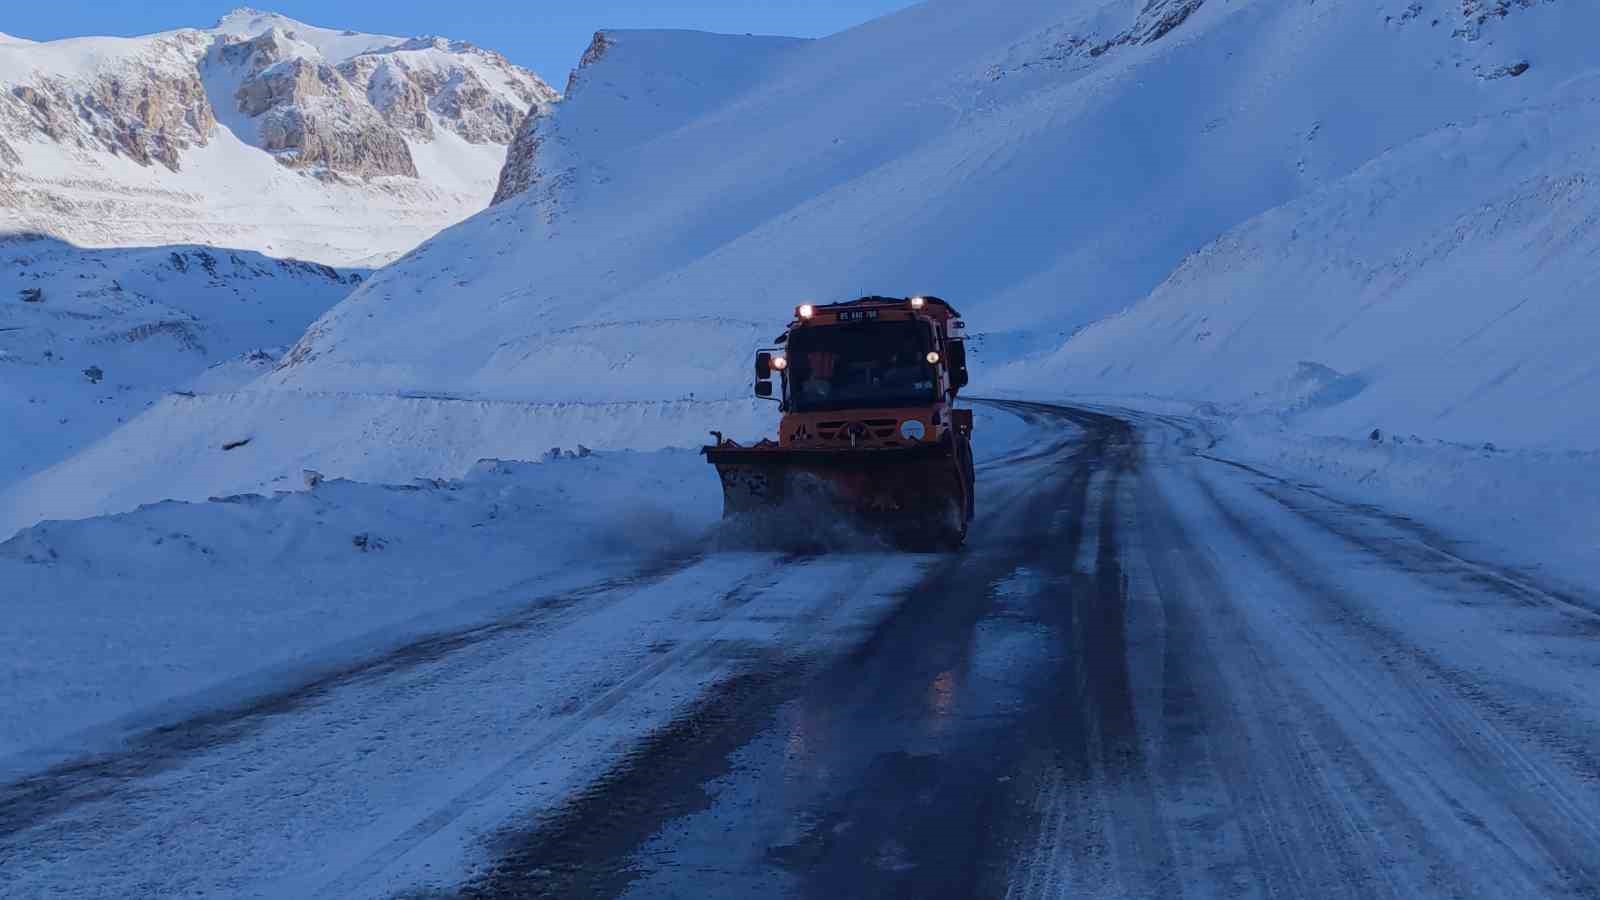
(35, 799)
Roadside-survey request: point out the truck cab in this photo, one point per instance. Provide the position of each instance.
(877, 372)
(870, 427)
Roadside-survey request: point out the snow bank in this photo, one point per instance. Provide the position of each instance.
(1519, 507)
(121, 621)
(180, 606)
(191, 448)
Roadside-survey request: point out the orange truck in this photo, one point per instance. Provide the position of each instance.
(870, 430)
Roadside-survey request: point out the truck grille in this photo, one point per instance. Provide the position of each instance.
(871, 430)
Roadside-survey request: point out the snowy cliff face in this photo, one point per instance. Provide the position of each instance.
(1043, 164)
(140, 99)
(352, 147)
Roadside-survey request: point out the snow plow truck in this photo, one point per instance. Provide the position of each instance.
(870, 433)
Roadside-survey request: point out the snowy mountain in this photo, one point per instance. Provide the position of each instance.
(1043, 165)
(260, 132)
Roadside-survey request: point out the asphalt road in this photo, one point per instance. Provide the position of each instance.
(1152, 672)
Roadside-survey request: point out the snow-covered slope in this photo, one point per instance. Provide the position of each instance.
(1042, 164)
(1446, 289)
(260, 133)
(89, 339)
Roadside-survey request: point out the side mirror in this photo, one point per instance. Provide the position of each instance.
(957, 351)
(764, 389)
(764, 367)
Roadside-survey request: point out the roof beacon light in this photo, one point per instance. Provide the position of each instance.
(919, 302)
(933, 358)
(779, 363)
(806, 310)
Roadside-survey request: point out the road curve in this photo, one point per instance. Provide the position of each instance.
(1152, 672)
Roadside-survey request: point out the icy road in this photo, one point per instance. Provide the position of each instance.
(1152, 673)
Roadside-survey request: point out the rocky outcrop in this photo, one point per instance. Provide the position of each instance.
(1156, 20)
(522, 168)
(465, 105)
(144, 110)
(595, 52)
(392, 92)
(1056, 48)
(449, 79)
(353, 112)
(1476, 14)
(522, 157)
(308, 115)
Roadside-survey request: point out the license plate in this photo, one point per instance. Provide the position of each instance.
(853, 315)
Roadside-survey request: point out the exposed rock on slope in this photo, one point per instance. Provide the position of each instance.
(634, 89)
(521, 170)
(307, 114)
(116, 140)
(144, 103)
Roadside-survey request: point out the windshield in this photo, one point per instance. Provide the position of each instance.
(854, 366)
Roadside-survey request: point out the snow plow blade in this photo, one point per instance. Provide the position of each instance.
(917, 497)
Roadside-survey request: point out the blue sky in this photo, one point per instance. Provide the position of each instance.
(546, 35)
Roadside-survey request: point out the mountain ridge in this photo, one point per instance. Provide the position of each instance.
(407, 134)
